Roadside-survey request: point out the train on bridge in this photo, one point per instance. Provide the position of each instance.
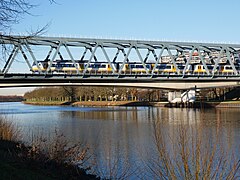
(70, 67)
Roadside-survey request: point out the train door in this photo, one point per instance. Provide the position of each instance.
(81, 67)
(174, 69)
(221, 68)
(109, 68)
(199, 69)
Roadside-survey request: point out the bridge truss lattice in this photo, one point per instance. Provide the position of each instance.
(113, 51)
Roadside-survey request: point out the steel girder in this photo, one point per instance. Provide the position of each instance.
(123, 51)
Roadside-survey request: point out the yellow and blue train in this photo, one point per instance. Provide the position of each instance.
(68, 67)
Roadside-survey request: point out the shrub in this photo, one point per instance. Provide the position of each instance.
(189, 153)
(8, 130)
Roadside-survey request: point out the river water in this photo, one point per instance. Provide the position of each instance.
(123, 139)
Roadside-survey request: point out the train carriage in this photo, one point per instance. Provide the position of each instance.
(200, 69)
(98, 67)
(136, 68)
(68, 67)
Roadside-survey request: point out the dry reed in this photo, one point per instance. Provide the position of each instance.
(8, 130)
(188, 153)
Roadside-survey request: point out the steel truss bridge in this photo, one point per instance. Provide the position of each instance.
(180, 55)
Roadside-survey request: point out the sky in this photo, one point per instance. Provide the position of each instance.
(174, 20)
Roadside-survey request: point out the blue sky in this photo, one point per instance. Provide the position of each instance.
(175, 20)
(188, 20)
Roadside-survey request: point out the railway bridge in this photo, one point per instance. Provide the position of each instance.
(59, 61)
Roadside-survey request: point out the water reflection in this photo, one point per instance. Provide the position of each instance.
(124, 135)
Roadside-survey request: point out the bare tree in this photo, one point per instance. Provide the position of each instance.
(12, 11)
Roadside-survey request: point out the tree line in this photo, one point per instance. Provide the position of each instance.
(76, 93)
(72, 94)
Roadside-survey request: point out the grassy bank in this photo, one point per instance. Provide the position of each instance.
(47, 103)
(98, 103)
(215, 104)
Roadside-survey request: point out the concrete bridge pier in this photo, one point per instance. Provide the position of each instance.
(185, 99)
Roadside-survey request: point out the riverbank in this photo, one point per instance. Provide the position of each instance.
(37, 160)
(48, 103)
(11, 98)
(225, 104)
(98, 103)
(120, 103)
(15, 164)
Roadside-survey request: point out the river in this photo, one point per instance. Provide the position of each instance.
(124, 137)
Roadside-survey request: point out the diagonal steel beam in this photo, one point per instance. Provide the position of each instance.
(71, 57)
(89, 61)
(10, 59)
(202, 60)
(217, 61)
(109, 61)
(124, 54)
(25, 57)
(147, 55)
(49, 54)
(54, 56)
(95, 58)
(231, 62)
(188, 61)
(154, 54)
(84, 53)
(173, 60)
(141, 59)
(125, 59)
(158, 59)
(116, 55)
(33, 57)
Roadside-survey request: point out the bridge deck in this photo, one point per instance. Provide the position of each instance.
(143, 81)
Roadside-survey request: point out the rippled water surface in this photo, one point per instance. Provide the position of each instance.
(127, 132)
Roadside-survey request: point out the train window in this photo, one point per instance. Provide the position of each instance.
(103, 65)
(181, 67)
(228, 67)
(195, 58)
(132, 66)
(168, 67)
(139, 66)
(148, 66)
(93, 65)
(210, 67)
(82, 66)
(161, 67)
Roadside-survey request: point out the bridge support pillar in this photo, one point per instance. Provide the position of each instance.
(185, 99)
(174, 96)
